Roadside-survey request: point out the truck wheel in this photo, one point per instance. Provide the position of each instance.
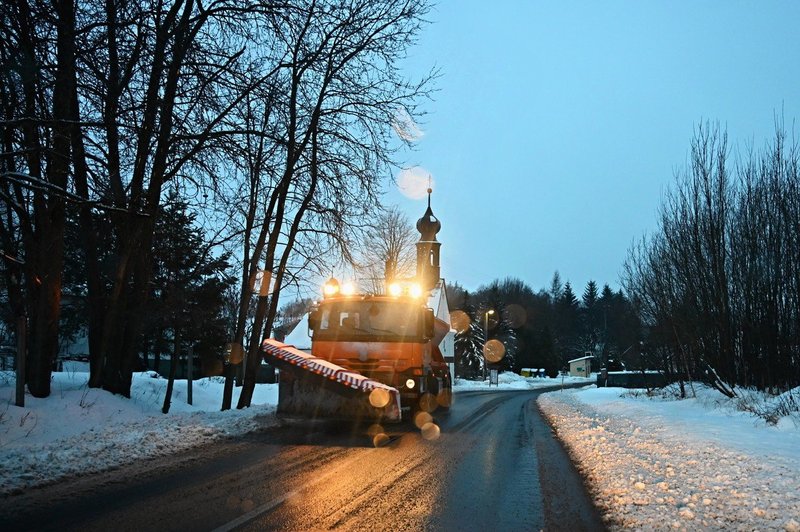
(445, 398)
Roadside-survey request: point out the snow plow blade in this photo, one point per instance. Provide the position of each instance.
(316, 388)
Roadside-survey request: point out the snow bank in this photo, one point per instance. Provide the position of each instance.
(512, 381)
(690, 464)
(78, 430)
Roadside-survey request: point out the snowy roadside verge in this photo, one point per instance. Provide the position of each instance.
(656, 465)
(511, 381)
(79, 431)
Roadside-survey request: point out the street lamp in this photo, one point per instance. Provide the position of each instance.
(486, 337)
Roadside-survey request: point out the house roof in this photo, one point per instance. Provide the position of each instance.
(298, 337)
(579, 359)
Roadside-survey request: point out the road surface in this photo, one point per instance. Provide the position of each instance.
(493, 466)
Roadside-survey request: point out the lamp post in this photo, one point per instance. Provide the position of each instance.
(486, 337)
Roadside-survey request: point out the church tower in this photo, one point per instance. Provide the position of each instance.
(428, 272)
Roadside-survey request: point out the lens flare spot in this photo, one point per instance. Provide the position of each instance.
(494, 351)
(459, 320)
(427, 403)
(379, 398)
(516, 315)
(413, 182)
(379, 440)
(374, 430)
(445, 398)
(421, 419)
(430, 431)
(263, 283)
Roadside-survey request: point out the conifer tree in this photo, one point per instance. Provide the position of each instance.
(590, 332)
(469, 342)
(556, 287)
(500, 329)
(187, 300)
(566, 322)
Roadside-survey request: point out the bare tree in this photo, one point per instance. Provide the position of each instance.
(127, 97)
(715, 284)
(388, 249)
(38, 55)
(338, 135)
(136, 99)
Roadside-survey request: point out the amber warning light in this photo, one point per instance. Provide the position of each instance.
(397, 289)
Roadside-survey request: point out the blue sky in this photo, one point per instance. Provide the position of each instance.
(557, 126)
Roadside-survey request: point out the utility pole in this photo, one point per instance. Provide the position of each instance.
(485, 337)
(189, 374)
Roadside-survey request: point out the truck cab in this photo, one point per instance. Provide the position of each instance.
(389, 338)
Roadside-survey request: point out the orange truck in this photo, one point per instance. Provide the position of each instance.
(389, 339)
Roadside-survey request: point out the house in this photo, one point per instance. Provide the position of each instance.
(298, 336)
(581, 367)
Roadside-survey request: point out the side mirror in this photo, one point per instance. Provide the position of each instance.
(428, 323)
(313, 320)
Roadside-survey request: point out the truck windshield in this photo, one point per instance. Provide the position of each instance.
(368, 321)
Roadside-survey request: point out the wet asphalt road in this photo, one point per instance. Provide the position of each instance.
(494, 466)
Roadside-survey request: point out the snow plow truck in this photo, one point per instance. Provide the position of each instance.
(373, 357)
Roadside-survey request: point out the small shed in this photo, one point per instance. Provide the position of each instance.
(580, 367)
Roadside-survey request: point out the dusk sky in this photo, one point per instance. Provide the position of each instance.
(557, 126)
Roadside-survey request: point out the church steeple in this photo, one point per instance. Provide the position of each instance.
(428, 271)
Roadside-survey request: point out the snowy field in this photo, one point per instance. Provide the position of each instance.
(694, 464)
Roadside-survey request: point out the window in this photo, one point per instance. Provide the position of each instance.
(366, 320)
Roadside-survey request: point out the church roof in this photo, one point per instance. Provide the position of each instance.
(429, 224)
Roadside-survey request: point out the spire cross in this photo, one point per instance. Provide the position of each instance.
(430, 189)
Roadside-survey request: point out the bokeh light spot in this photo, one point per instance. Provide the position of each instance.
(414, 182)
(431, 431)
(379, 398)
(374, 430)
(494, 351)
(427, 403)
(516, 315)
(459, 321)
(379, 440)
(421, 418)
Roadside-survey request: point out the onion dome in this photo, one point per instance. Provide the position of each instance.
(429, 224)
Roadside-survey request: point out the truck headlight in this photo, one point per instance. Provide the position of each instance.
(395, 290)
(415, 290)
(331, 287)
(410, 383)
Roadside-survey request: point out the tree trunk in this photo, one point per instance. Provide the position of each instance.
(172, 369)
(50, 215)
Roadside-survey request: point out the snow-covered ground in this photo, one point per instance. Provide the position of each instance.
(651, 464)
(512, 381)
(79, 430)
(693, 464)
